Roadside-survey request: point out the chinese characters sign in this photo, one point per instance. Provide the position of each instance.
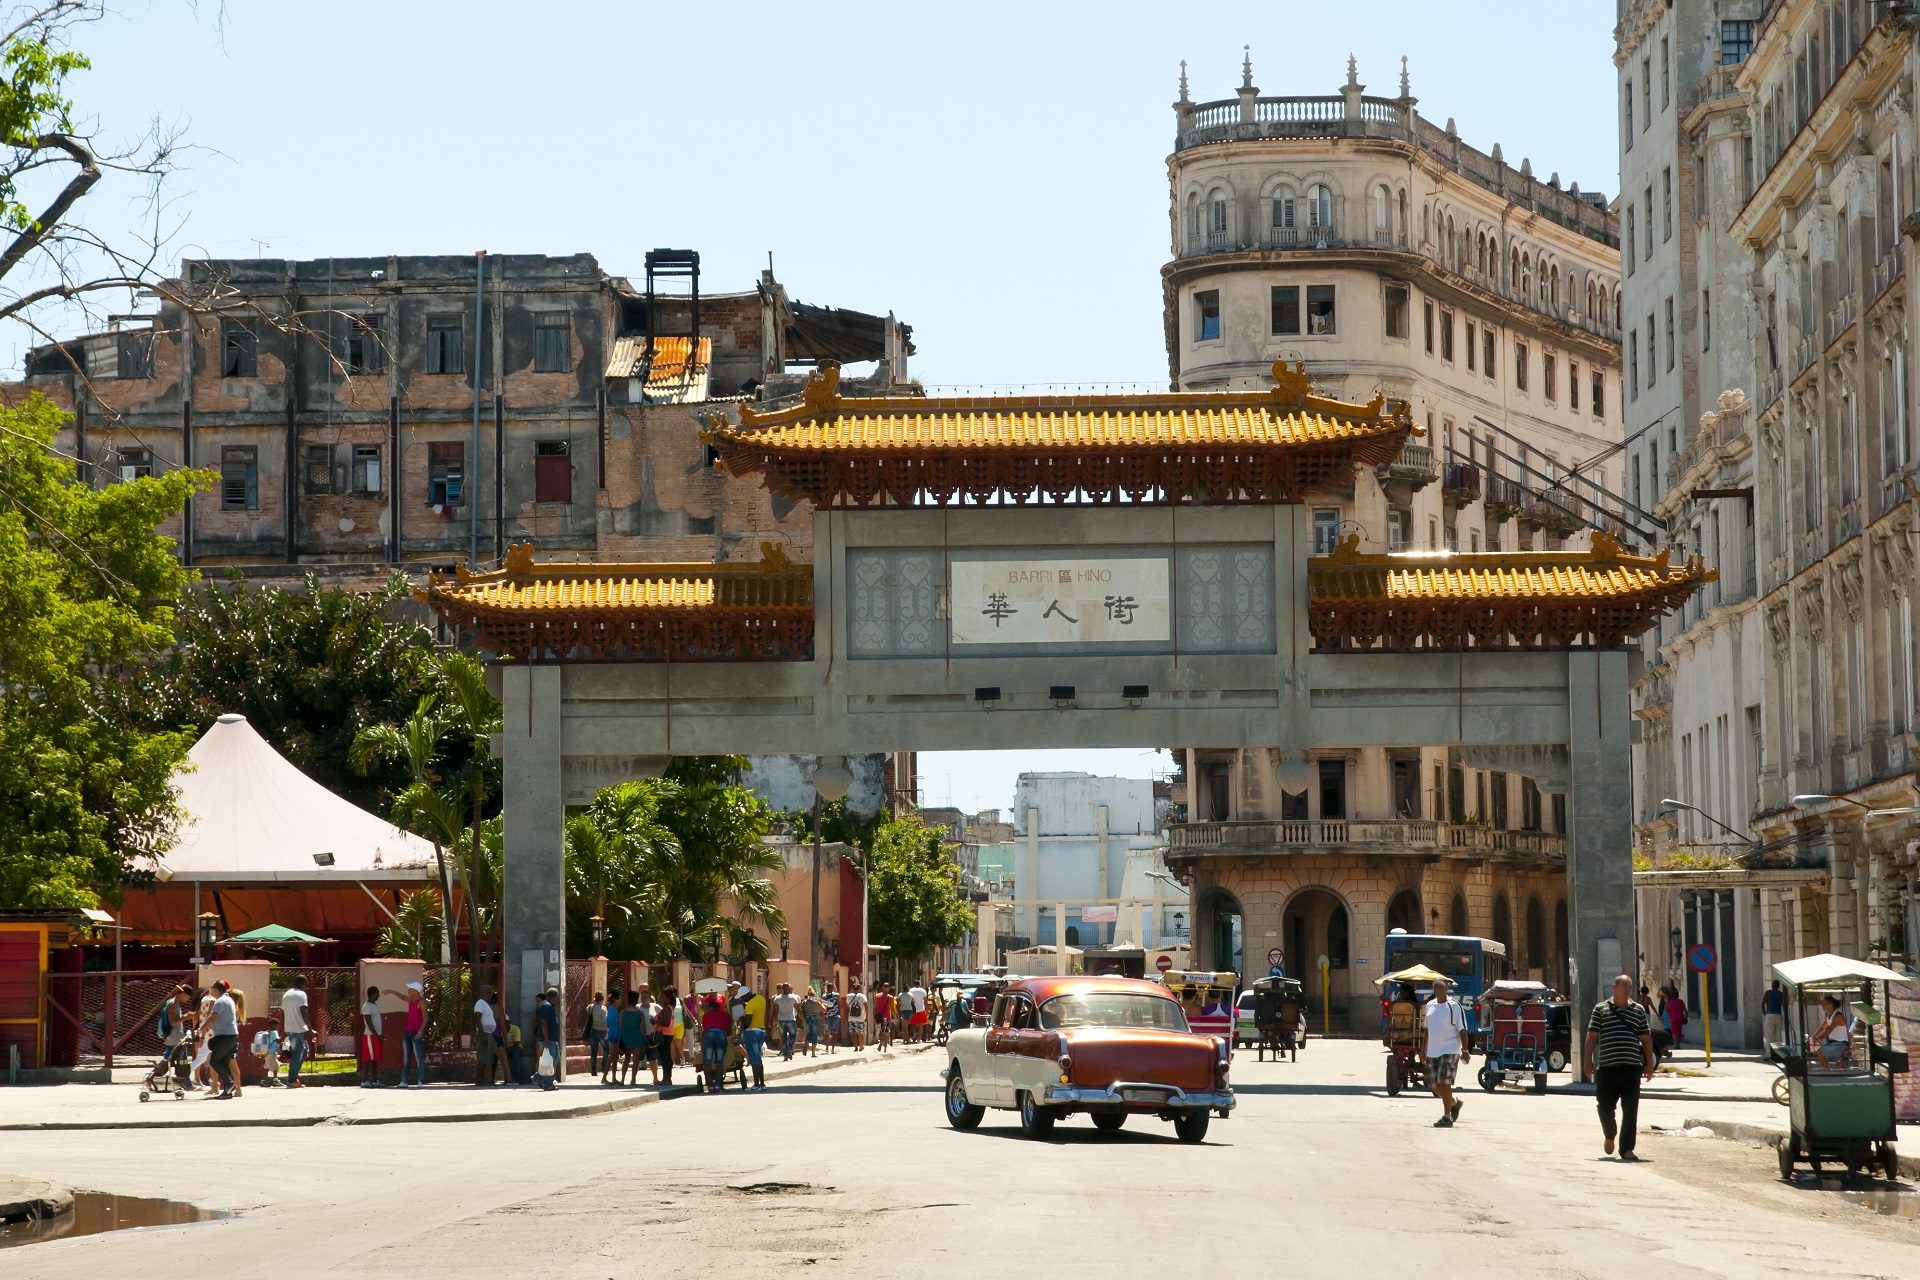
(1059, 601)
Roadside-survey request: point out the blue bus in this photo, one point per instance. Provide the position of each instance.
(1473, 964)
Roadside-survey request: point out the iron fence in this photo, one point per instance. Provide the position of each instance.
(95, 1016)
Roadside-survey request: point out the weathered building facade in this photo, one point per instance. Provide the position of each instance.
(1398, 261)
(403, 411)
(1781, 706)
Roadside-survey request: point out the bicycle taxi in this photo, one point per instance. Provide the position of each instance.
(1404, 1034)
(1838, 1062)
(1206, 997)
(1279, 1017)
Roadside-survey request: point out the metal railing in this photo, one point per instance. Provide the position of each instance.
(1316, 834)
(1462, 482)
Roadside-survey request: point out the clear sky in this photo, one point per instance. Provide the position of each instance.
(992, 173)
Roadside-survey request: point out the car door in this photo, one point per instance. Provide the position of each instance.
(1012, 1016)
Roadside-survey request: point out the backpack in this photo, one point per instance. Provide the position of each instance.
(856, 1005)
(165, 1025)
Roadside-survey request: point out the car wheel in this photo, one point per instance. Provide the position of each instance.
(1786, 1158)
(1036, 1121)
(961, 1114)
(1109, 1121)
(1488, 1080)
(1556, 1060)
(1191, 1128)
(1396, 1079)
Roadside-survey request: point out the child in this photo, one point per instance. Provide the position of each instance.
(266, 1045)
(370, 1040)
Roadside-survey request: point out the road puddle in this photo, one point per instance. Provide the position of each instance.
(1888, 1202)
(95, 1212)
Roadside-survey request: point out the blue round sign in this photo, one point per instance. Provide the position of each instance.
(1701, 958)
(1276, 971)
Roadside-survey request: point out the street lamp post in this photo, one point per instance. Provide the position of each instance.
(206, 933)
(716, 939)
(599, 923)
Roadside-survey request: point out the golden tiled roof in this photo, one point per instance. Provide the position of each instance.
(1604, 570)
(522, 587)
(1267, 444)
(1531, 599)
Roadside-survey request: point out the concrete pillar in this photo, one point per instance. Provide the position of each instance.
(1060, 937)
(533, 895)
(989, 947)
(1600, 825)
(1100, 885)
(1030, 878)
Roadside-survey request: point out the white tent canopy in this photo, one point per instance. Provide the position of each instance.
(1827, 968)
(249, 815)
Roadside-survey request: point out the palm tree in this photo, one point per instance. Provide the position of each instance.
(418, 807)
(615, 848)
(415, 928)
(476, 718)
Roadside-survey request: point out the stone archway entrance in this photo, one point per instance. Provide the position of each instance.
(1403, 912)
(1316, 922)
(1219, 931)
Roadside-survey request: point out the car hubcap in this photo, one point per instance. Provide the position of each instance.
(956, 1096)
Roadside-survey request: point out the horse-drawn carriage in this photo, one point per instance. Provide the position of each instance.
(1280, 1017)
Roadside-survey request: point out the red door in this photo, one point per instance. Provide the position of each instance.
(20, 980)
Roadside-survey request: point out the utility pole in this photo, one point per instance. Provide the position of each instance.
(469, 491)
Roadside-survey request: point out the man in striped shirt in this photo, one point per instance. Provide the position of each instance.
(1619, 1048)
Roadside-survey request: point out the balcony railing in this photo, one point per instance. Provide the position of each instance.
(1409, 835)
(1414, 466)
(1886, 271)
(1504, 497)
(1462, 484)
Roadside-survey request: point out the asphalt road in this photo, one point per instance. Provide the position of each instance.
(853, 1171)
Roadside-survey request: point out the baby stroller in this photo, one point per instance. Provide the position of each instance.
(735, 1063)
(169, 1074)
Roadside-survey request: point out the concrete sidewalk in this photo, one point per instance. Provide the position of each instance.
(1685, 1076)
(117, 1106)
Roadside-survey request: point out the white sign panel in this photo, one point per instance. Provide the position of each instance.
(1063, 601)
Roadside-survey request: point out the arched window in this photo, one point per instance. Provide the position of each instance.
(1426, 226)
(1480, 253)
(1320, 207)
(1403, 217)
(1503, 923)
(1617, 313)
(1403, 912)
(1513, 267)
(1216, 218)
(1382, 212)
(1457, 922)
(1337, 939)
(1526, 277)
(1281, 216)
(1553, 294)
(1193, 219)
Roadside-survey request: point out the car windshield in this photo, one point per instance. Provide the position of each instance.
(1112, 1010)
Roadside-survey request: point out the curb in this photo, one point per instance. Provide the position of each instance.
(1670, 1095)
(598, 1107)
(32, 1200)
(1760, 1135)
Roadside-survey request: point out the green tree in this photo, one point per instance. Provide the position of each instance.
(415, 931)
(86, 585)
(618, 851)
(718, 823)
(310, 669)
(915, 899)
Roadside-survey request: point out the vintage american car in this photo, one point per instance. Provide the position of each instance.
(1107, 1047)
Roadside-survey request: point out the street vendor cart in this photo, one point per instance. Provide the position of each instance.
(1839, 1063)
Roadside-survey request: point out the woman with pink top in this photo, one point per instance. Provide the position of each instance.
(415, 1057)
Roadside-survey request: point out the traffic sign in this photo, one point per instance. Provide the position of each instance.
(1276, 971)
(1163, 963)
(1276, 956)
(1701, 958)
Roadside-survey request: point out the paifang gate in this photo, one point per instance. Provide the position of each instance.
(1089, 571)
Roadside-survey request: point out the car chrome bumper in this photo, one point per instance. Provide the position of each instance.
(1170, 1097)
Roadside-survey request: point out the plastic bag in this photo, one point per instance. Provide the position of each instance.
(546, 1062)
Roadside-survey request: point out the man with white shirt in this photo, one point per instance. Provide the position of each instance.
(1446, 1023)
(293, 1015)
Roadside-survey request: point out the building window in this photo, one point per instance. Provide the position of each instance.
(1286, 309)
(1486, 351)
(1446, 335)
(1706, 319)
(1599, 394)
(1573, 385)
(1320, 309)
(446, 473)
(134, 354)
(1326, 530)
(366, 468)
(1396, 529)
(239, 478)
(318, 468)
(1396, 306)
(444, 354)
(1473, 339)
(1736, 40)
(552, 471)
(1669, 334)
(1633, 366)
(1206, 307)
(239, 349)
(1333, 788)
(552, 342)
(135, 464)
(1666, 75)
(1549, 376)
(1628, 242)
(1283, 210)
(1653, 353)
(1426, 322)
(1320, 207)
(1520, 366)
(1646, 218)
(1626, 111)
(1646, 92)
(361, 347)
(1666, 203)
